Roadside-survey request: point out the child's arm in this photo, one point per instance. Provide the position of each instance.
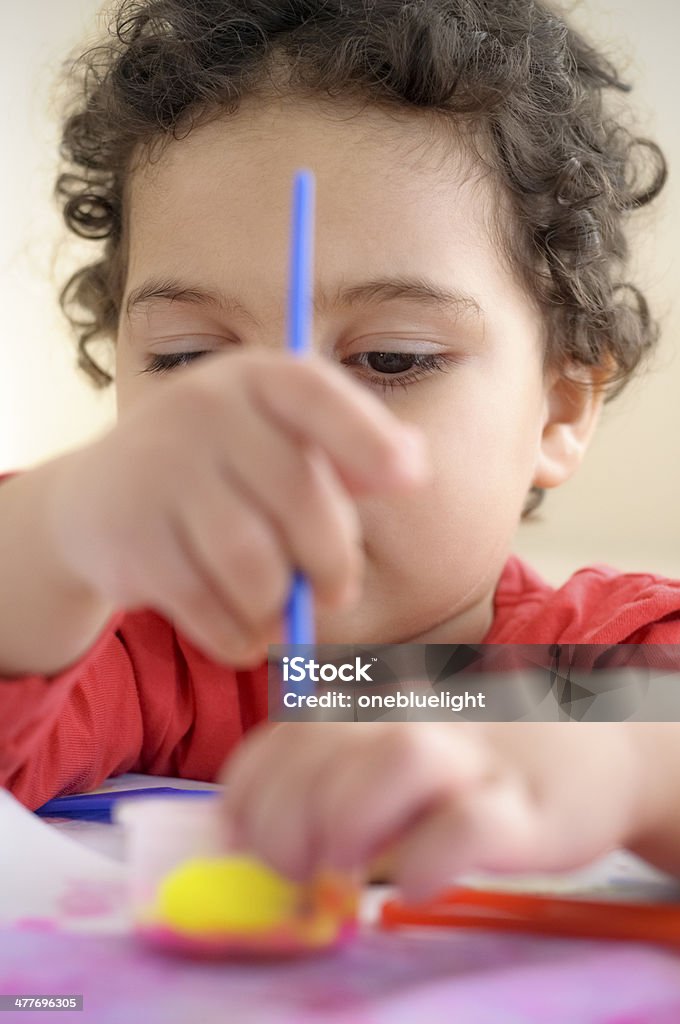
(448, 799)
(49, 618)
(199, 503)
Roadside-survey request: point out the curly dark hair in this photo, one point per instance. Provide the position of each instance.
(532, 86)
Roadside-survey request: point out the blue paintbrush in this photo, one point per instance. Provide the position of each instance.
(300, 608)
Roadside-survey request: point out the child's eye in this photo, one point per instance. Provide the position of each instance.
(390, 368)
(399, 368)
(158, 362)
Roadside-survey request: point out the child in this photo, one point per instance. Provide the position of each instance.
(471, 319)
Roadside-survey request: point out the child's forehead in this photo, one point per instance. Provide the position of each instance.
(355, 139)
(374, 169)
(392, 207)
(215, 209)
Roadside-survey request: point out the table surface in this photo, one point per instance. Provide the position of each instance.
(429, 976)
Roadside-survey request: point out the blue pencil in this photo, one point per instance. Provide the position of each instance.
(99, 806)
(300, 608)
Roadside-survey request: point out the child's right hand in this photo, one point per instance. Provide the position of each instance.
(203, 499)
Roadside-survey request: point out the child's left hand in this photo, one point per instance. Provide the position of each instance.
(447, 798)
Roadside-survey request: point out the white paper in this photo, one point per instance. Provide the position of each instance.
(47, 876)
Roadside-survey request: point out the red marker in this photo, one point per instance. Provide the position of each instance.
(543, 915)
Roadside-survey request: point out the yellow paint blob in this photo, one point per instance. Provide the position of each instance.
(226, 894)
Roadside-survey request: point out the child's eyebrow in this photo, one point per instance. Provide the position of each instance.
(418, 290)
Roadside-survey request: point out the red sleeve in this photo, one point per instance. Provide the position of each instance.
(142, 699)
(68, 732)
(596, 605)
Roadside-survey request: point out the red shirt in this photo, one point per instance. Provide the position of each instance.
(145, 699)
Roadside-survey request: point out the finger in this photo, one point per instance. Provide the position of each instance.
(299, 494)
(198, 609)
(259, 754)
(278, 821)
(239, 552)
(491, 829)
(369, 447)
(204, 622)
(397, 775)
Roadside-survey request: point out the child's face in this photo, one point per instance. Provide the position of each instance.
(214, 212)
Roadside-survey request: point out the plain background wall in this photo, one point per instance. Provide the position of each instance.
(622, 506)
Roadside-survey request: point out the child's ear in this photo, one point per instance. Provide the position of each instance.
(571, 416)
